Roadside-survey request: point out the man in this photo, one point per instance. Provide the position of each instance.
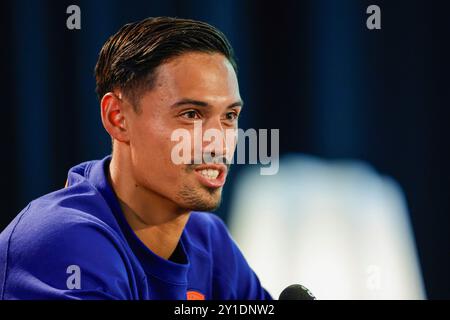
(133, 226)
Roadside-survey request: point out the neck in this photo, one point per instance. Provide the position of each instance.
(157, 221)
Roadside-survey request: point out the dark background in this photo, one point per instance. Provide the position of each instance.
(310, 68)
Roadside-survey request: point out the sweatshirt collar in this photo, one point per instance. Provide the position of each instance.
(153, 264)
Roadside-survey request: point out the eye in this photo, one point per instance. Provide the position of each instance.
(191, 114)
(232, 116)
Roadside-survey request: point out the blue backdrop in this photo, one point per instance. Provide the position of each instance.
(310, 68)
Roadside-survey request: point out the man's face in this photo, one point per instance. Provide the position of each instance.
(194, 89)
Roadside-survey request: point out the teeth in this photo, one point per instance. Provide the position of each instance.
(210, 173)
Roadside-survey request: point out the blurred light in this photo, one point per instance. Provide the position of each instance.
(338, 228)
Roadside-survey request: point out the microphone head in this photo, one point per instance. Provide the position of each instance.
(296, 292)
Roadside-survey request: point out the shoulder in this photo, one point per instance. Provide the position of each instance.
(78, 207)
(53, 235)
(55, 222)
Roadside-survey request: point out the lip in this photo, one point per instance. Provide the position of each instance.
(212, 183)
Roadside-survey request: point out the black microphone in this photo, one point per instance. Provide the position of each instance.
(296, 292)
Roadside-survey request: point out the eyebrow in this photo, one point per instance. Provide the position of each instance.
(199, 103)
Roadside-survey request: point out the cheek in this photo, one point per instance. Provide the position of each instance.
(151, 148)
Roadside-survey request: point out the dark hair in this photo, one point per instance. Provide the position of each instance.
(129, 58)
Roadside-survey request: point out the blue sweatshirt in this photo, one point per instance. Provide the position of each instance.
(75, 243)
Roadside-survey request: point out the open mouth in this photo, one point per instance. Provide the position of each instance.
(211, 175)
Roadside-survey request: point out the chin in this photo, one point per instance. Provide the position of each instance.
(200, 198)
(204, 205)
(208, 207)
(205, 208)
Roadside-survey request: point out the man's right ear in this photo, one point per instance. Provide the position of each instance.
(113, 117)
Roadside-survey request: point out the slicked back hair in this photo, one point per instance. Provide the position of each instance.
(129, 58)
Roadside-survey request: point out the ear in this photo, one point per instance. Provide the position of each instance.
(113, 117)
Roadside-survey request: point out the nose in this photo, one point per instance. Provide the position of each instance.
(218, 141)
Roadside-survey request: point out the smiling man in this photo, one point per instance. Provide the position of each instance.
(135, 224)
